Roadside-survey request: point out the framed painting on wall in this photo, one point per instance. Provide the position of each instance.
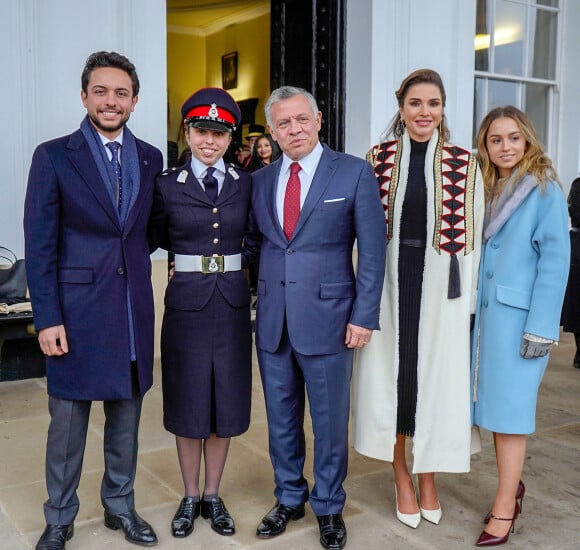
(230, 70)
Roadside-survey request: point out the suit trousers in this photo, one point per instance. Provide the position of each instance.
(65, 449)
(285, 375)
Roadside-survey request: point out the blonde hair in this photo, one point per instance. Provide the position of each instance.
(420, 76)
(535, 161)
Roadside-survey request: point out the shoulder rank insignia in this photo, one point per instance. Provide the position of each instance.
(233, 173)
(168, 171)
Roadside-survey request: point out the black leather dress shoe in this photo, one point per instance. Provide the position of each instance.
(182, 523)
(136, 529)
(216, 511)
(332, 531)
(54, 537)
(275, 521)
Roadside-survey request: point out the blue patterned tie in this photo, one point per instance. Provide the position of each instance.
(210, 184)
(114, 146)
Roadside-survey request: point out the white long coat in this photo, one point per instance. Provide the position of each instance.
(442, 440)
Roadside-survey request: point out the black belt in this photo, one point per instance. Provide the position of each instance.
(415, 243)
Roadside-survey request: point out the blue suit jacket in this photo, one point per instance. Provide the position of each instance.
(310, 280)
(79, 261)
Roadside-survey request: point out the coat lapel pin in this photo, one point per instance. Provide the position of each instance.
(182, 176)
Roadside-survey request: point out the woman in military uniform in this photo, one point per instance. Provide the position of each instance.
(201, 213)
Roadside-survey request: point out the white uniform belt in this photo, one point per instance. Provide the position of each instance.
(208, 264)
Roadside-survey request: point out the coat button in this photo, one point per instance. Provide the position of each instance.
(214, 210)
(216, 225)
(489, 275)
(120, 271)
(215, 241)
(485, 303)
(494, 245)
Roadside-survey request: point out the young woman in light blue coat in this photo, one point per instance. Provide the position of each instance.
(522, 279)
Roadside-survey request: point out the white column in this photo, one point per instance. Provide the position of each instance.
(45, 45)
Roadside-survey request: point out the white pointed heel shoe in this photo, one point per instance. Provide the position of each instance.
(434, 516)
(412, 520)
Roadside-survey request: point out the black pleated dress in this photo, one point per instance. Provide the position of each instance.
(412, 241)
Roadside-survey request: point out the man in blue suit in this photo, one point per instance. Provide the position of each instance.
(313, 311)
(87, 205)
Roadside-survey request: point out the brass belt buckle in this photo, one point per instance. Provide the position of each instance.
(212, 264)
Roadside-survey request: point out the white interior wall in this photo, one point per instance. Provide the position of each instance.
(45, 45)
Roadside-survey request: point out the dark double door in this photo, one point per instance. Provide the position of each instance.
(308, 50)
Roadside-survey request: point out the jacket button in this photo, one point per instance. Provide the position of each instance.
(489, 275)
(494, 245)
(120, 271)
(214, 210)
(215, 241)
(289, 251)
(216, 225)
(282, 283)
(485, 303)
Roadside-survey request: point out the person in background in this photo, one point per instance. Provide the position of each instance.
(266, 151)
(89, 273)
(200, 213)
(254, 132)
(313, 310)
(412, 380)
(240, 153)
(522, 280)
(571, 308)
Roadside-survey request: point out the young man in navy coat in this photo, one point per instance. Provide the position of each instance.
(313, 311)
(87, 205)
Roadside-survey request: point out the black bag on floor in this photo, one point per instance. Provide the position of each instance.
(12, 278)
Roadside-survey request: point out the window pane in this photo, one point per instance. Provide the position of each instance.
(551, 3)
(543, 37)
(508, 38)
(537, 98)
(483, 24)
(502, 93)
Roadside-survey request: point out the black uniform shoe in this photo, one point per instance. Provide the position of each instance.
(136, 529)
(182, 523)
(332, 531)
(275, 521)
(54, 537)
(216, 511)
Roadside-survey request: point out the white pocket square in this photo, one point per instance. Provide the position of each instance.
(335, 200)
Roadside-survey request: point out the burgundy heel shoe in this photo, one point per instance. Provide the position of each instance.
(487, 539)
(519, 499)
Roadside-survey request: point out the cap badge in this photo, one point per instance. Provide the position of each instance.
(213, 112)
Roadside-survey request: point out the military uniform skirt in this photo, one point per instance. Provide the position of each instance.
(206, 365)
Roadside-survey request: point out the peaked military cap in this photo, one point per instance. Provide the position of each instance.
(211, 108)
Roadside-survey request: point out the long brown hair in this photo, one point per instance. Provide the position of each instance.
(535, 161)
(420, 76)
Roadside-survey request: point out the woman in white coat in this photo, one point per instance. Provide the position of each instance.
(523, 273)
(412, 379)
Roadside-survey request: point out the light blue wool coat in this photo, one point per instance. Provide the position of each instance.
(522, 279)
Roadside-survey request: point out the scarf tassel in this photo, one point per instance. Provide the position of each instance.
(454, 290)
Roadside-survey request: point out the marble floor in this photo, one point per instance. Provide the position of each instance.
(552, 475)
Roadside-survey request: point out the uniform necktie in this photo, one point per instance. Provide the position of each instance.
(211, 185)
(114, 146)
(292, 201)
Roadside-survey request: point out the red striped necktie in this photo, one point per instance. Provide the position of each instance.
(292, 201)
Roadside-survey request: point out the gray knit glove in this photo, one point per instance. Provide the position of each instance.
(535, 346)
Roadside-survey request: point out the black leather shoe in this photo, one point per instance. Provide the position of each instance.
(136, 529)
(182, 523)
(54, 537)
(275, 521)
(332, 531)
(216, 511)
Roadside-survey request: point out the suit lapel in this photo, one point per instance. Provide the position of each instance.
(229, 188)
(82, 159)
(324, 172)
(270, 187)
